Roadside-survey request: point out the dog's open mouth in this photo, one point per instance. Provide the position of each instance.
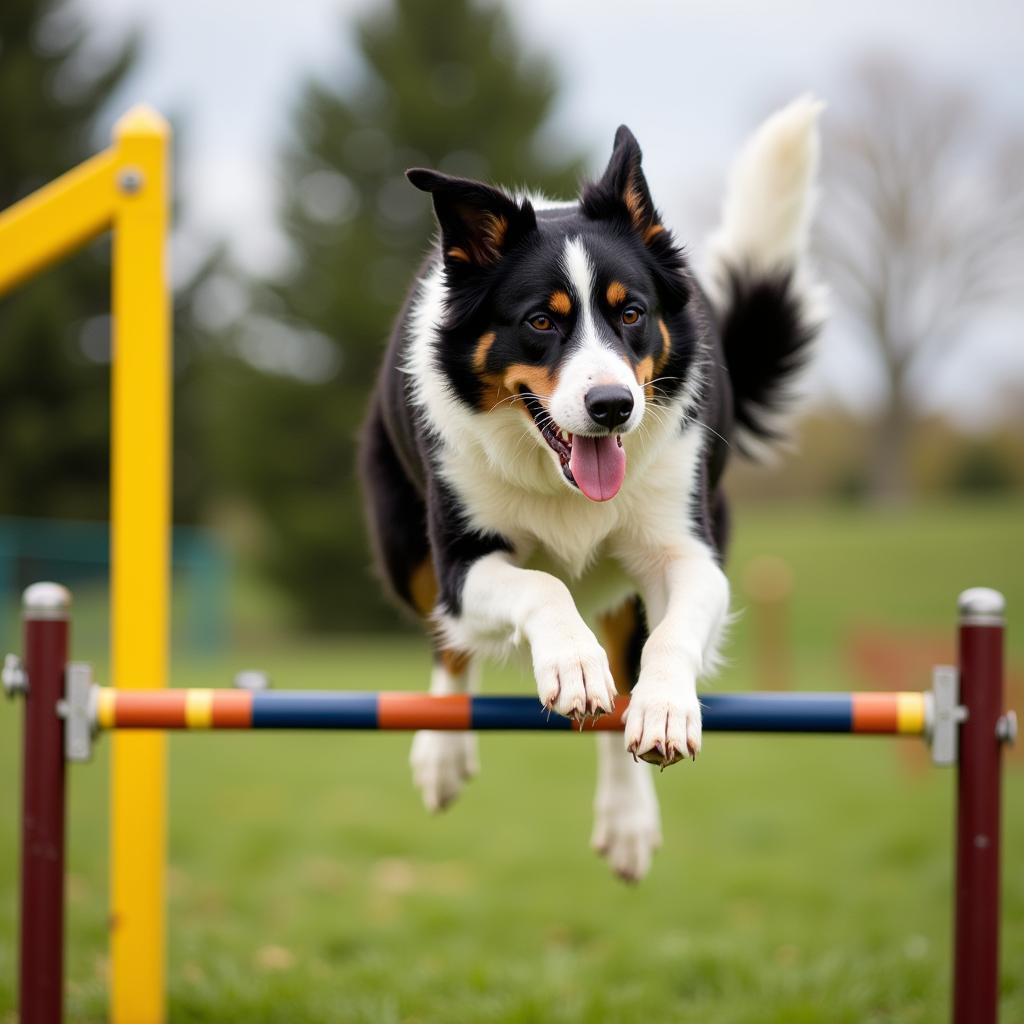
(596, 465)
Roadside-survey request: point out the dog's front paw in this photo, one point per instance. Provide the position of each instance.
(572, 673)
(441, 763)
(663, 723)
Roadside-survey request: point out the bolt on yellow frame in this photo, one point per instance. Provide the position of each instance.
(125, 190)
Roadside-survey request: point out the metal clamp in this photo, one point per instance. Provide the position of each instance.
(78, 709)
(14, 676)
(252, 679)
(943, 715)
(1006, 728)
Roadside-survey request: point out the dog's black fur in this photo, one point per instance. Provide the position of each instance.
(500, 258)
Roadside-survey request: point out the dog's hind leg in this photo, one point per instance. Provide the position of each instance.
(627, 824)
(442, 762)
(396, 517)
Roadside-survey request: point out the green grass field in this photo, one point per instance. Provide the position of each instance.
(802, 880)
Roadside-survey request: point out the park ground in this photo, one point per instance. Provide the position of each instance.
(803, 880)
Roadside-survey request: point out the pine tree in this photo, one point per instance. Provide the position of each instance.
(55, 329)
(444, 84)
(54, 388)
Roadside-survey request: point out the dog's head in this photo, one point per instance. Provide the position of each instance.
(575, 314)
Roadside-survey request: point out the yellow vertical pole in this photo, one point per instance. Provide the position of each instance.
(140, 560)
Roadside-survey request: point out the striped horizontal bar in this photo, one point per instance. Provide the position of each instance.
(880, 713)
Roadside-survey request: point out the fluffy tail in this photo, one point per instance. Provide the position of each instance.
(769, 308)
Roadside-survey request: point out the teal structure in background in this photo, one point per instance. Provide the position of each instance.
(77, 552)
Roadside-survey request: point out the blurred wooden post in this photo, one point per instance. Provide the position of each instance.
(768, 581)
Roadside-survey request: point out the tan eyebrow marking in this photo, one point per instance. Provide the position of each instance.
(616, 293)
(457, 253)
(559, 302)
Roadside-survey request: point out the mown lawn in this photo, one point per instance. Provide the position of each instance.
(802, 880)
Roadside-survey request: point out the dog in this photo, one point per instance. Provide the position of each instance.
(544, 448)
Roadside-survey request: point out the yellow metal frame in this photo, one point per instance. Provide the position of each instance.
(125, 190)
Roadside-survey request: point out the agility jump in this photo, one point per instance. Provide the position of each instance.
(124, 190)
(961, 719)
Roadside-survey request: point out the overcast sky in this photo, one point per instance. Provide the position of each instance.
(690, 78)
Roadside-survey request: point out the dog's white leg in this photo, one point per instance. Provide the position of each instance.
(627, 825)
(442, 762)
(687, 599)
(503, 604)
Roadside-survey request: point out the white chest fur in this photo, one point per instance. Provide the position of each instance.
(594, 548)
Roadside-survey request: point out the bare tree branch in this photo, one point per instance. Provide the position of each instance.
(923, 220)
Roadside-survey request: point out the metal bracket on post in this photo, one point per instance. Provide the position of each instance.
(943, 715)
(78, 709)
(15, 678)
(252, 679)
(1006, 728)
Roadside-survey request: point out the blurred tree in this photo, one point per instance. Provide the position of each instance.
(54, 334)
(442, 83)
(922, 228)
(55, 83)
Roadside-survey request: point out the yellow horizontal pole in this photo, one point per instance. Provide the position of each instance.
(57, 218)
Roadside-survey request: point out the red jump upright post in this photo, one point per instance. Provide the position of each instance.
(982, 735)
(46, 609)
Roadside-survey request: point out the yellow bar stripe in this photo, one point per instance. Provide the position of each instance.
(105, 708)
(199, 709)
(910, 713)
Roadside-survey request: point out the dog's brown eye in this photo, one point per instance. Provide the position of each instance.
(540, 322)
(630, 315)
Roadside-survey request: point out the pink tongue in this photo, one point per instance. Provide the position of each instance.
(598, 466)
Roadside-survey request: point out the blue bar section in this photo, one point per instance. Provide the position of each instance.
(777, 712)
(314, 709)
(514, 713)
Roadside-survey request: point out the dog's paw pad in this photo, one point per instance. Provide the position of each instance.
(663, 726)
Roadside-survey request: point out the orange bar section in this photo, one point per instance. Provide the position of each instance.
(232, 709)
(606, 723)
(150, 709)
(888, 713)
(422, 711)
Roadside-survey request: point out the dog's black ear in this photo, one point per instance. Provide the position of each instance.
(621, 195)
(622, 192)
(479, 224)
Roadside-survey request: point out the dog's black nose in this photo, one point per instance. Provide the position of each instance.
(609, 405)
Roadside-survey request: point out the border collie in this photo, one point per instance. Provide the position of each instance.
(544, 449)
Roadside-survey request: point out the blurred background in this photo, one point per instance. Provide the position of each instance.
(297, 234)
(295, 238)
